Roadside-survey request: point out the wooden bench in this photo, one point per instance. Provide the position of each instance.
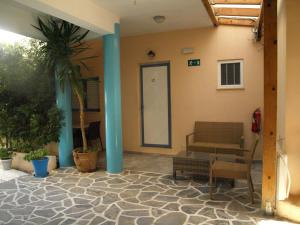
(216, 137)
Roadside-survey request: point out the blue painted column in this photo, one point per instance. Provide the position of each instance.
(113, 111)
(65, 145)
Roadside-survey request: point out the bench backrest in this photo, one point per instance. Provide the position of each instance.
(218, 132)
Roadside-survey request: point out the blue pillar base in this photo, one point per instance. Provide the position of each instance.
(65, 145)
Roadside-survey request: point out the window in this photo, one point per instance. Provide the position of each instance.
(230, 74)
(91, 95)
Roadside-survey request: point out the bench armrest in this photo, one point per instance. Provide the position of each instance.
(188, 136)
(191, 134)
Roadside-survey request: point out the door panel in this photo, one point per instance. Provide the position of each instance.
(155, 81)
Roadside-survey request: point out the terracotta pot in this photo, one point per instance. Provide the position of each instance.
(85, 161)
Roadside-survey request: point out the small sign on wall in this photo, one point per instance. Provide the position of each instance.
(194, 62)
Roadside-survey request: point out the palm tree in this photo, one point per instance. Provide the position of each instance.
(64, 42)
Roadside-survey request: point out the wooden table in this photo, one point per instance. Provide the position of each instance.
(191, 162)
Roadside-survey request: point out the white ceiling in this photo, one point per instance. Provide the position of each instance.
(137, 15)
(135, 19)
(17, 18)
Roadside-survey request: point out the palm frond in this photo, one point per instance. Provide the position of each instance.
(64, 40)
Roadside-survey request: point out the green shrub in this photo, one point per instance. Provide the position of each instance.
(37, 154)
(5, 154)
(29, 118)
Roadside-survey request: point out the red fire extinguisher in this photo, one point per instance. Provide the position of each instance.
(256, 121)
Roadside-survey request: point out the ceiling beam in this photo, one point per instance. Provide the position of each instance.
(236, 22)
(210, 12)
(242, 2)
(236, 12)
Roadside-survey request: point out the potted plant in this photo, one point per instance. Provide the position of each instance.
(5, 159)
(62, 48)
(39, 161)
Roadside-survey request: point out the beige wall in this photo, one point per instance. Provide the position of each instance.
(194, 93)
(193, 89)
(281, 75)
(292, 122)
(282, 182)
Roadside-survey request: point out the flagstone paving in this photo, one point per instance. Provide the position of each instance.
(6, 175)
(140, 198)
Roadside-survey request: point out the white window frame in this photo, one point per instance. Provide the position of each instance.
(239, 86)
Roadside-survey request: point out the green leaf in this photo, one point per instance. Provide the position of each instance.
(36, 155)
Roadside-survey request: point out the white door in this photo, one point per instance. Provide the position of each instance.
(155, 105)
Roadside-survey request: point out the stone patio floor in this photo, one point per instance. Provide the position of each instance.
(131, 198)
(6, 175)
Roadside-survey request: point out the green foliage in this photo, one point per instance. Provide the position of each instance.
(29, 118)
(40, 127)
(62, 49)
(22, 67)
(92, 149)
(5, 153)
(37, 154)
(89, 149)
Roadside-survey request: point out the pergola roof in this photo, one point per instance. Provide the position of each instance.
(234, 12)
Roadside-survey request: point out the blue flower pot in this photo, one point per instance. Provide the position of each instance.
(40, 167)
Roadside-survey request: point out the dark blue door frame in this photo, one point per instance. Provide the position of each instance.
(169, 145)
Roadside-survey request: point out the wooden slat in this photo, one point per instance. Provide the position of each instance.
(236, 22)
(270, 102)
(249, 2)
(210, 12)
(236, 12)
